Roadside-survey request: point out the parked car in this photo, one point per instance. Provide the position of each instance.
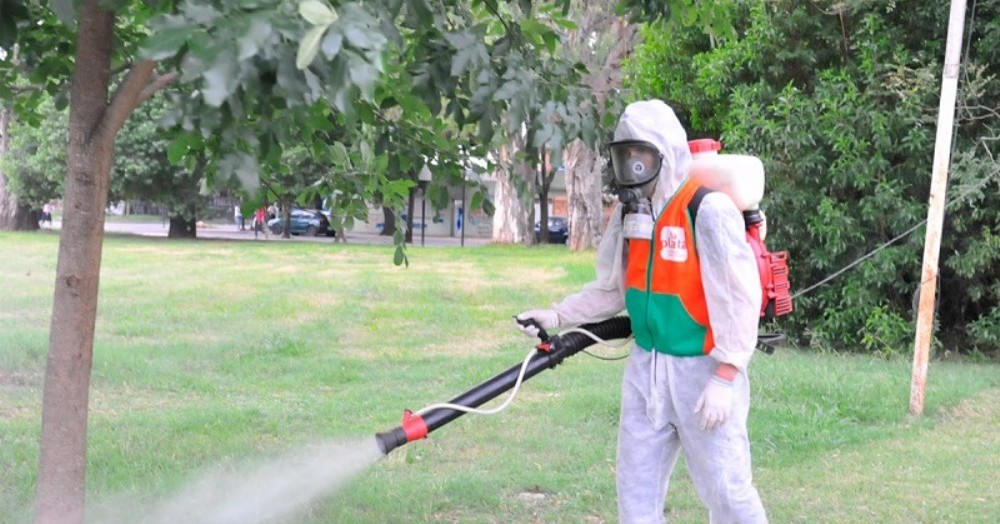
(558, 230)
(302, 222)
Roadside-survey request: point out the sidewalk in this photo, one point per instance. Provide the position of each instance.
(230, 232)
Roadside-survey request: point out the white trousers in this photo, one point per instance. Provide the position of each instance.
(659, 393)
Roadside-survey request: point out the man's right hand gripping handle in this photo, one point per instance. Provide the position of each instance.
(534, 322)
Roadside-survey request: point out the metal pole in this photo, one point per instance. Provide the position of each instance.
(423, 220)
(935, 211)
(465, 214)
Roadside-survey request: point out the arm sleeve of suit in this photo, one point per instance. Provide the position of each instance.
(730, 278)
(604, 297)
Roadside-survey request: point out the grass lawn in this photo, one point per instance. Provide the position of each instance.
(220, 363)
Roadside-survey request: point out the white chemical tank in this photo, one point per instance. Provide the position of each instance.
(739, 176)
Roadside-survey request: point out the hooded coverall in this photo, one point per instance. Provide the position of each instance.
(660, 390)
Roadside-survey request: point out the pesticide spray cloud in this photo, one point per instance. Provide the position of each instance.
(270, 492)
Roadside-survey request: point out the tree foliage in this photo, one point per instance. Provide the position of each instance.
(260, 75)
(840, 101)
(35, 164)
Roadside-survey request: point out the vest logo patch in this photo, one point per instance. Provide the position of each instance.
(673, 244)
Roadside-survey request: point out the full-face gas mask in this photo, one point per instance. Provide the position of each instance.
(636, 165)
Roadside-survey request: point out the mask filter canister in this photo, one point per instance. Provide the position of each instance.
(638, 221)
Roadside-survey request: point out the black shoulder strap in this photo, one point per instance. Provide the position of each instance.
(695, 202)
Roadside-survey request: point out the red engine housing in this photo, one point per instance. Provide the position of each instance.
(776, 298)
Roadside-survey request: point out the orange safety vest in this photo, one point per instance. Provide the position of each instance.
(663, 289)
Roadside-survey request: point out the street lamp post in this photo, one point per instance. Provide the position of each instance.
(423, 179)
(465, 213)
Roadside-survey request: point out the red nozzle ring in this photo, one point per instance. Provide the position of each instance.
(414, 426)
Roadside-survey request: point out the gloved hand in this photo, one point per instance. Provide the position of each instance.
(546, 318)
(715, 403)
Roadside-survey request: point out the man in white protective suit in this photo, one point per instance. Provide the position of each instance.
(676, 257)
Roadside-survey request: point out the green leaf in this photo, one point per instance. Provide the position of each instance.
(363, 74)
(200, 14)
(534, 31)
(255, 36)
(309, 46)
(245, 168)
(177, 149)
(460, 62)
(340, 157)
(333, 42)
(507, 91)
(317, 13)
(488, 207)
(166, 42)
(221, 79)
(399, 240)
(366, 152)
(399, 188)
(565, 23)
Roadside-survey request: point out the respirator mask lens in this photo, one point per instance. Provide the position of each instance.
(635, 162)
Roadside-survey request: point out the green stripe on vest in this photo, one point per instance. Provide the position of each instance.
(660, 322)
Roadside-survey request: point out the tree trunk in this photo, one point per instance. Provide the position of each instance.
(409, 216)
(513, 220)
(60, 494)
(583, 166)
(527, 171)
(181, 227)
(507, 209)
(93, 125)
(286, 220)
(583, 188)
(543, 204)
(389, 222)
(8, 202)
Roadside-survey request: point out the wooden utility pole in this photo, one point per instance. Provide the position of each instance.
(935, 212)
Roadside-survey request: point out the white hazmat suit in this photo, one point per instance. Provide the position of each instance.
(668, 400)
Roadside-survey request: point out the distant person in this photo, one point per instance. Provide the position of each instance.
(259, 218)
(46, 215)
(238, 217)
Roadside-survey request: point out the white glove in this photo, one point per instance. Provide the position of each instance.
(715, 403)
(546, 318)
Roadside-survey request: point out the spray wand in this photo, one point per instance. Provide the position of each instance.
(548, 354)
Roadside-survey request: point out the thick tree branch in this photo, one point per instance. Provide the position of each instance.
(127, 97)
(158, 83)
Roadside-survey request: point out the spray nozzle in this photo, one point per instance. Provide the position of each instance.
(412, 428)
